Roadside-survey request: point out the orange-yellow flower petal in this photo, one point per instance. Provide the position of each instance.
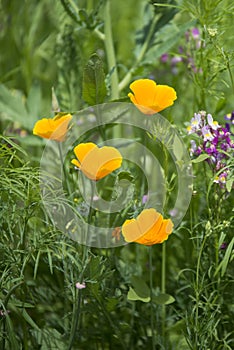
(96, 162)
(54, 129)
(82, 150)
(148, 228)
(151, 98)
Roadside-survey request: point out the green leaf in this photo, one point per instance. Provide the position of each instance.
(229, 185)
(49, 338)
(220, 104)
(30, 140)
(224, 263)
(70, 11)
(163, 299)
(20, 304)
(132, 295)
(94, 88)
(83, 15)
(227, 257)
(125, 175)
(140, 290)
(166, 37)
(12, 107)
(178, 148)
(200, 158)
(15, 107)
(33, 103)
(111, 304)
(140, 286)
(13, 144)
(29, 319)
(11, 332)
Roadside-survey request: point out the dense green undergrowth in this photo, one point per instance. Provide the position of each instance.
(178, 295)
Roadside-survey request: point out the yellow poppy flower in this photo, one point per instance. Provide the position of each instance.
(53, 129)
(96, 162)
(151, 98)
(148, 228)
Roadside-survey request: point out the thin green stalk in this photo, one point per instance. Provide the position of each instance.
(90, 208)
(110, 52)
(152, 323)
(144, 160)
(227, 62)
(63, 168)
(163, 287)
(85, 259)
(65, 283)
(230, 75)
(76, 314)
(76, 9)
(163, 266)
(197, 289)
(203, 90)
(101, 125)
(76, 308)
(165, 168)
(89, 5)
(139, 58)
(99, 34)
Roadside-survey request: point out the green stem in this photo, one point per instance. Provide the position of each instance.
(230, 74)
(165, 168)
(89, 5)
(139, 58)
(152, 324)
(110, 52)
(85, 260)
(163, 287)
(76, 9)
(163, 267)
(112, 324)
(76, 308)
(90, 208)
(198, 290)
(63, 168)
(99, 34)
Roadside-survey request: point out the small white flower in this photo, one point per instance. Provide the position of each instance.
(213, 124)
(80, 285)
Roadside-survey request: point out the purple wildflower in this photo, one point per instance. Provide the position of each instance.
(230, 117)
(221, 179)
(164, 58)
(173, 212)
(213, 124)
(215, 141)
(186, 53)
(176, 59)
(145, 198)
(195, 33)
(223, 246)
(207, 135)
(195, 124)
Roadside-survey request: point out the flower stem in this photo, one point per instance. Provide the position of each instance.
(198, 287)
(63, 168)
(85, 260)
(163, 266)
(152, 323)
(163, 287)
(110, 52)
(75, 320)
(141, 55)
(77, 303)
(90, 208)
